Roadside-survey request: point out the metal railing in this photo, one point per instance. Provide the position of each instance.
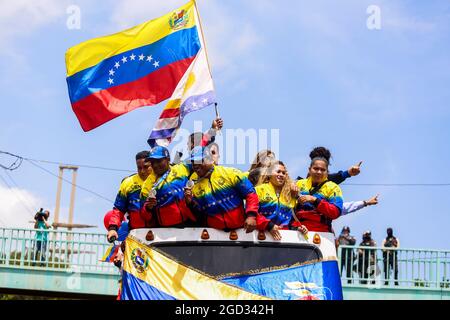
(54, 250)
(397, 268)
(360, 266)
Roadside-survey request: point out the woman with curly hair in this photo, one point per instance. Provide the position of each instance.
(277, 196)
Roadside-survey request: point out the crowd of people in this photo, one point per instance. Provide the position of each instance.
(198, 192)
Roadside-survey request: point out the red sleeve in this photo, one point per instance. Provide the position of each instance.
(252, 203)
(296, 224)
(329, 210)
(145, 214)
(262, 222)
(116, 218)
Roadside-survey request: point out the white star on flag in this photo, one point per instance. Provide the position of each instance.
(117, 65)
(141, 57)
(111, 81)
(149, 58)
(124, 59)
(156, 64)
(132, 57)
(111, 72)
(205, 101)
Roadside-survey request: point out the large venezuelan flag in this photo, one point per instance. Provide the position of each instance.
(151, 275)
(141, 66)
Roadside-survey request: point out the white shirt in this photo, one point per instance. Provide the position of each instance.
(349, 207)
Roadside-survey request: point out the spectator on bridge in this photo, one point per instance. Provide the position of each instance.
(41, 224)
(347, 254)
(367, 258)
(390, 260)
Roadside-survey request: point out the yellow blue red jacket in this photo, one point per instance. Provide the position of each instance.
(274, 207)
(218, 201)
(171, 208)
(128, 201)
(328, 206)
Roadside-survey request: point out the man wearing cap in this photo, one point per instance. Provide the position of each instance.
(218, 195)
(128, 198)
(162, 195)
(347, 254)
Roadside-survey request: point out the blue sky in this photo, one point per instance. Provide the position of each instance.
(313, 70)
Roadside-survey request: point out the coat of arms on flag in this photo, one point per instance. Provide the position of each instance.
(142, 66)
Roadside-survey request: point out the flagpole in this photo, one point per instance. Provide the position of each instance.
(206, 53)
(203, 37)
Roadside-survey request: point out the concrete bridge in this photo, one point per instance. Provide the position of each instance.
(70, 266)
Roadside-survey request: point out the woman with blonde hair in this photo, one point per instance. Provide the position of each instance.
(263, 160)
(277, 196)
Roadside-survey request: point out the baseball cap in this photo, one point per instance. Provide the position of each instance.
(159, 152)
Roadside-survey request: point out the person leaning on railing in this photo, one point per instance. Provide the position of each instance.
(367, 259)
(41, 223)
(390, 260)
(347, 254)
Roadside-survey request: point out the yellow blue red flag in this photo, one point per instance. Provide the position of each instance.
(141, 66)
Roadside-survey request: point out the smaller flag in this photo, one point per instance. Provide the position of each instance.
(110, 254)
(195, 91)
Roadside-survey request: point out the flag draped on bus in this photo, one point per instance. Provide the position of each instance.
(149, 274)
(141, 66)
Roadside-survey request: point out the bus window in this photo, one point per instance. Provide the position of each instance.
(221, 259)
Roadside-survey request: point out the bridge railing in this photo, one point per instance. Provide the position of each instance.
(400, 268)
(54, 249)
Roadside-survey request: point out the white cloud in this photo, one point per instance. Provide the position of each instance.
(20, 17)
(128, 13)
(230, 41)
(297, 166)
(17, 207)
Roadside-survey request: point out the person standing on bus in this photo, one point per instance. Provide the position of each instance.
(128, 198)
(337, 177)
(218, 194)
(277, 196)
(320, 200)
(162, 195)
